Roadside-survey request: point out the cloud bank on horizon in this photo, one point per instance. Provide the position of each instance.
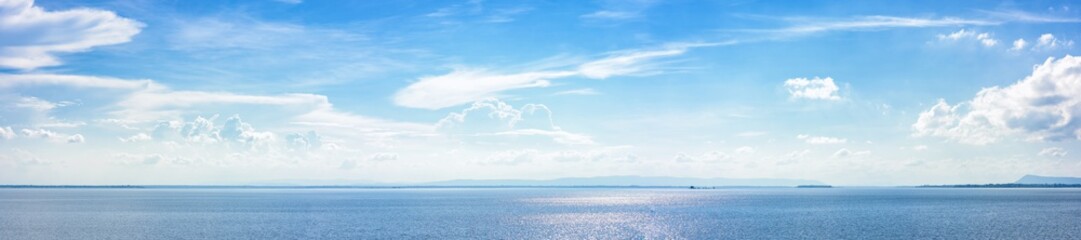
(254, 91)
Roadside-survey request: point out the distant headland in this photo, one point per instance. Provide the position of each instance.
(1027, 181)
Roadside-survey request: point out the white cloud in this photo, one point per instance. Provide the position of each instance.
(1049, 41)
(636, 62)
(138, 159)
(33, 35)
(303, 142)
(77, 138)
(7, 133)
(1052, 152)
(1043, 106)
(1021, 16)
(624, 63)
(808, 26)
(1019, 44)
(966, 35)
(620, 10)
(464, 85)
(236, 130)
(40, 133)
(380, 157)
(35, 103)
(580, 91)
(492, 117)
(820, 139)
(920, 148)
(140, 137)
(844, 153)
(814, 89)
(30, 80)
(233, 132)
(468, 85)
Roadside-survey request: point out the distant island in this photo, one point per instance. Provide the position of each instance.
(1027, 181)
(1034, 179)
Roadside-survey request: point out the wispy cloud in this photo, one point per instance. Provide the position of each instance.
(820, 139)
(33, 35)
(1022, 16)
(580, 91)
(620, 10)
(465, 85)
(880, 22)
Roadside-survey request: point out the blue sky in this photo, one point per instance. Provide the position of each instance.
(235, 92)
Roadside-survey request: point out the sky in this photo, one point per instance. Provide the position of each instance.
(248, 92)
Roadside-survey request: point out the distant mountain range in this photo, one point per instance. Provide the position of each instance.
(1033, 179)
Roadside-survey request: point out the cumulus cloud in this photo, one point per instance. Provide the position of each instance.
(40, 133)
(1049, 41)
(812, 89)
(1052, 152)
(304, 142)
(492, 117)
(235, 129)
(1019, 44)
(820, 139)
(33, 35)
(7, 133)
(983, 38)
(1042, 106)
(77, 138)
(232, 132)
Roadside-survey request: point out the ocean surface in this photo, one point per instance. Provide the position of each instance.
(541, 213)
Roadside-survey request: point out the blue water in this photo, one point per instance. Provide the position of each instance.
(541, 213)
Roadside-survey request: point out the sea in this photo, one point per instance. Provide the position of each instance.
(540, 213)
